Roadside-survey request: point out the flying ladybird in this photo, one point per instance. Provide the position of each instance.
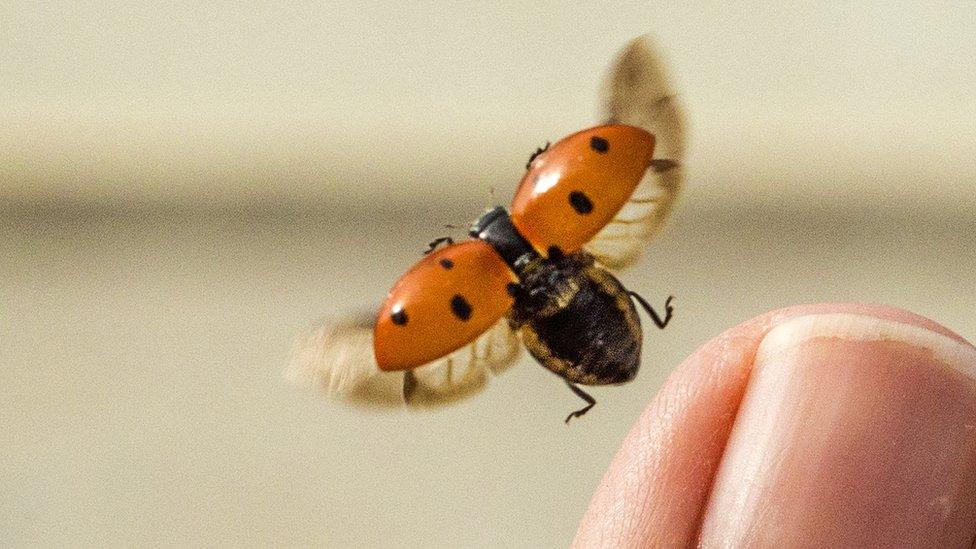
(539, 274)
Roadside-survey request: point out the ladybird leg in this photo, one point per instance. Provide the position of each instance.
(661, 165)
(437, 242)
(537, 152)
(590, 401)
(668, 309)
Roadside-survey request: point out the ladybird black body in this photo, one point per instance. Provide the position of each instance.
(578, 321)
(573, 316)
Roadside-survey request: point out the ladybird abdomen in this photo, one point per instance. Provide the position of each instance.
(595, 339)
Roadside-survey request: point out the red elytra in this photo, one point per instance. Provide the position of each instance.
(574, 189)
(444, 302)
(451, 296)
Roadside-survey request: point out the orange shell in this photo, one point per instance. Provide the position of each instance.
(577, 186)
(443, 303)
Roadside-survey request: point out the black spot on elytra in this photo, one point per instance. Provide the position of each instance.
(447, 263)
(399, 317)
(599, 144)
(555, 253)
(460, 307)
(512, 288)
(580, 202)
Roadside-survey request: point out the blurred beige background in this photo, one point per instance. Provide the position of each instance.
(182, 188)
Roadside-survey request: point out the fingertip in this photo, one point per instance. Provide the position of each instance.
(658, 486)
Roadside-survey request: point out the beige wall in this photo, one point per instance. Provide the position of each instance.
(214, 102)
(182, 188)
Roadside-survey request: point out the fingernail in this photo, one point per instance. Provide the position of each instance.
(854, 432)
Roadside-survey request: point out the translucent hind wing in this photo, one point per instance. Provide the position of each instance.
(337, 359)
(637, 92)
(465, 372)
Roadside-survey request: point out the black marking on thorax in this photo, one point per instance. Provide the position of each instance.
(495, 227)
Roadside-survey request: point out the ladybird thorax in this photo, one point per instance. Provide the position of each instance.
(495, 227)
(547, 285)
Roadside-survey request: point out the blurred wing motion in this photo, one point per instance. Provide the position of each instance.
(337, 359)
(637, 92)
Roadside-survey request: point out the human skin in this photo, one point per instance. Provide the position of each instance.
(830, 425)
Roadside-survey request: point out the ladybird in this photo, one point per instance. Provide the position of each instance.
(537, 275)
